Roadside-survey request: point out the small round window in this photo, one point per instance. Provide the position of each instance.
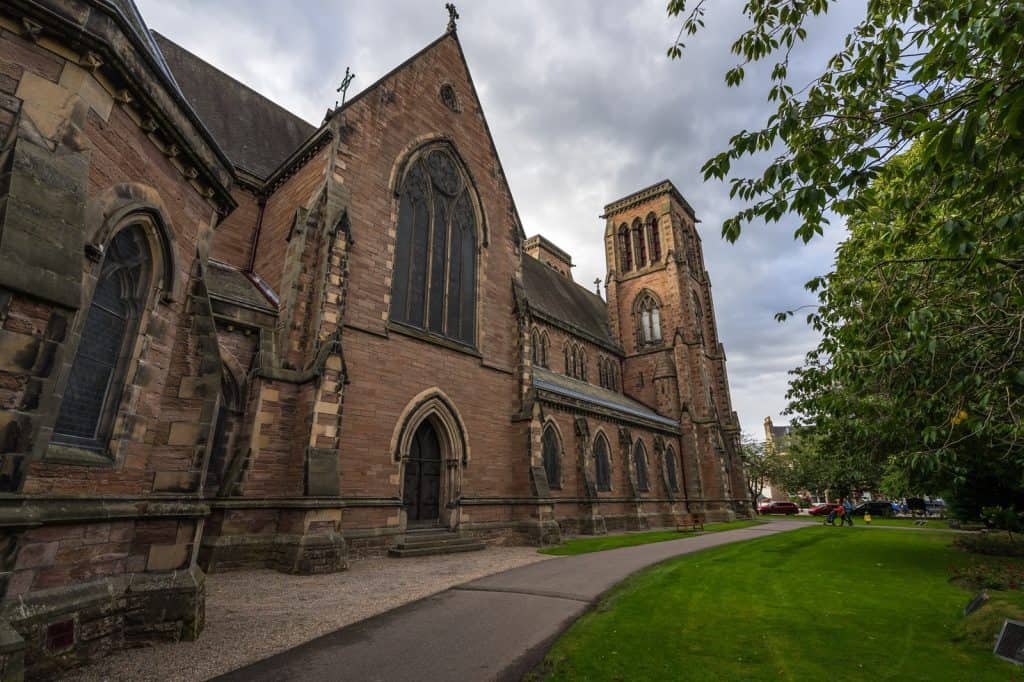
(448, 97)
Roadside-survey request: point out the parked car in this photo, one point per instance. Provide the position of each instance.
(875, 508)
(822, 509)
(778, 508)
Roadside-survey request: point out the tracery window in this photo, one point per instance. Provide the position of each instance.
(670, 465)
(434, 285)
(653, 237)
(625, 249)
(551, 453)
(648, 314)
(640, 464)
(639, 244)
(602, 464)
(94, 387)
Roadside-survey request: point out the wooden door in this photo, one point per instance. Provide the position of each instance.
(423, 476)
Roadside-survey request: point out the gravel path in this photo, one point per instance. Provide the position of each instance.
(253, 614)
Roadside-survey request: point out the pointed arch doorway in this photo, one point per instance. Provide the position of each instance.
(422, 489)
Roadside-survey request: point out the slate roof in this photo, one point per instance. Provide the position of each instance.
(561, 299)
(568, 387)
(255, 133)
(233, 285)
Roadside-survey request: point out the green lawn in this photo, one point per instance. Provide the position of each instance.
(938, 524)
(602, 542)
(816, 603)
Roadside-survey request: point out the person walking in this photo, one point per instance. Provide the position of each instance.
(848, 512)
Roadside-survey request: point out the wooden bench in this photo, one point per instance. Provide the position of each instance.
(691, 522)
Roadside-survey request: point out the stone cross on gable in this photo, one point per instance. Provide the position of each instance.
(345, 82)
(597, 286)
(453, 15)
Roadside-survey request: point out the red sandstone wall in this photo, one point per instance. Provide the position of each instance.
(387, 372)
(233, 240)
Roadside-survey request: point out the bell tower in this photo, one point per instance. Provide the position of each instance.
(660, 308)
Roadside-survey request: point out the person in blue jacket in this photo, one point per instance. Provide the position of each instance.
(848, 508)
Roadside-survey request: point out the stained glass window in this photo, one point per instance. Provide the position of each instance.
(94, 386)
(434, 285)
(640, 463)
(550, 452)
(602, 465)
(670, 465)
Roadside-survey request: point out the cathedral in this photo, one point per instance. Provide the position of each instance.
(232, 339)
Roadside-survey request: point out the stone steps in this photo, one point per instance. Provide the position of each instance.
(427, 543)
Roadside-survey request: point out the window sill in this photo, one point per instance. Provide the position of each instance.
(421, 335)
(646, 270)
(60, 453)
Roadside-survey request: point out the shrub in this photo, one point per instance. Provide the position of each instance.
(989, 576)
(992, 544)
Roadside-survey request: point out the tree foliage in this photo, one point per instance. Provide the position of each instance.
(816, 463)
(947, 75)
(757, 467)
(914, 134)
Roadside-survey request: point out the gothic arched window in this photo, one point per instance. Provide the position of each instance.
(698, 313)
(640, 464)
(653, 237)
(639, 243)
(602, 464)
(670, 466)
(570, 359)
(434, 286)
(581, 363)
(648, 314)
(602, 373)
(94, 387)
(544, 349)
(535, 347)
(625, 249)
(551, 453)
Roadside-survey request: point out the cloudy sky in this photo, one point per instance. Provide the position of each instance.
(585, 107)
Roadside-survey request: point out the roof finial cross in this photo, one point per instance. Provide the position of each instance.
(343, 88)
(597, 285)
(453, 16)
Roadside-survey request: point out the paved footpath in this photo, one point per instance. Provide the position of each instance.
(494, 628)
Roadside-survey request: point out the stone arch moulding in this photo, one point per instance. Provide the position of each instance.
(423, 144)
(134, 203)
(433, 404)
(434, 407)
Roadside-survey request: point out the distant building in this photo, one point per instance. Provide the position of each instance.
(775, 442)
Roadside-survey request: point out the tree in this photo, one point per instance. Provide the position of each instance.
(919, 369)
(914, 134)
(946, 76)
(756, 466)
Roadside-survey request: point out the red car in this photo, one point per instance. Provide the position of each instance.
(778, 508)
(822, 509)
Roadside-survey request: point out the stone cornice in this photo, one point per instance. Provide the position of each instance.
(646, 194)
